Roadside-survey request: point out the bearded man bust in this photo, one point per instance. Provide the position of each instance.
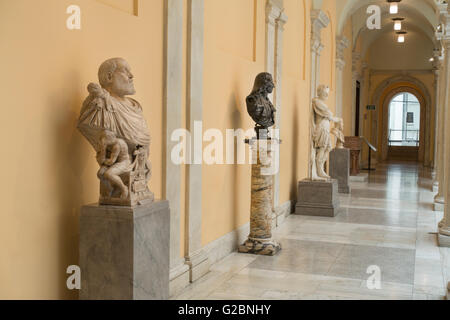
(108, 110)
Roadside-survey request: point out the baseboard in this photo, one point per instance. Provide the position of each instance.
(178, 279)
(220, 248)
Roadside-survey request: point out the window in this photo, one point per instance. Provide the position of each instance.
(404, 121)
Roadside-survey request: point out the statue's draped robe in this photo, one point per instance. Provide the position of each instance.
(261, 109)
(322, 115)
(101, 111)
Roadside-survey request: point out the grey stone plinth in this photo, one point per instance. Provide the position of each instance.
(124, 252)
(317, 198)
(340, 168)
(448, 291)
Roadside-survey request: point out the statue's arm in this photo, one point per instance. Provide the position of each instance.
(114, 155)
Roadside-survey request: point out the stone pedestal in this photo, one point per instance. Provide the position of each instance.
(340, 168)
(354, 145)
(317, 198)
(124, 252)
(260, 238)
(362, 177)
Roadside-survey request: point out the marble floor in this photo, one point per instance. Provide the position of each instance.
(387, 223)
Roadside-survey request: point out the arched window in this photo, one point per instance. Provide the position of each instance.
(404, 121)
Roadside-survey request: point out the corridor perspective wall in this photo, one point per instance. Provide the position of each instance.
(49, 170)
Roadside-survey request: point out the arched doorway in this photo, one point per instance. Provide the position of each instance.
(401, 148)
(404, 119)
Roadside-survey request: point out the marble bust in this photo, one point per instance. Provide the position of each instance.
(115, 126)
(259, 107)
(338, 132)
(321, 138)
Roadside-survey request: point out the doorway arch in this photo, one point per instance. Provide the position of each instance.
(385, 109)
(383, 95)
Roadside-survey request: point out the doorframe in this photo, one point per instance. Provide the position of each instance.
(423, 125)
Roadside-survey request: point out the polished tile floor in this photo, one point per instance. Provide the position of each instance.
(386, 223)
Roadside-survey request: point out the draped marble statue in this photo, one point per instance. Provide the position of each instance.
(115, 126)
(259, 107)
(321, 138)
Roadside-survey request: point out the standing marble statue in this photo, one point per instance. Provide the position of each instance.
(261, 110)
(115, 126)
(321, 134)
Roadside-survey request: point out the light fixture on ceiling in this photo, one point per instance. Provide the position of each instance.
(401, 36)
(431, 59)
(393, 6)
(398, 23)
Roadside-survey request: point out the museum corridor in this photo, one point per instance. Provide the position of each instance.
(387, 222)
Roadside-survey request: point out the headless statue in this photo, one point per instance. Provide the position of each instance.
(321, 139)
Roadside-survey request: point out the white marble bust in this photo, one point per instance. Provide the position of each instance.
(108, 111)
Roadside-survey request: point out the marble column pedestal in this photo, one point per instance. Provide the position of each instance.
(124, 252)
(340, 168)
(260, 239)
(317, 198)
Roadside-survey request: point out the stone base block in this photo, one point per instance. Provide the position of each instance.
(444, 241)
(438, 206)
(362, 177)
(267, 248)
(199, 265)
(448, 291)
(340, 168)
(317, 198)
(179, 279)
(124, 252)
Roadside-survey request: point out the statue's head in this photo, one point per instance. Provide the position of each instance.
(116, 77)
(323, 91)
(264, 82)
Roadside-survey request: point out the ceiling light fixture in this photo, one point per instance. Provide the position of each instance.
(401, 36)
(393, 9)
(398, 23)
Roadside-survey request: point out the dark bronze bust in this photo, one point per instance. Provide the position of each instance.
(259, 107)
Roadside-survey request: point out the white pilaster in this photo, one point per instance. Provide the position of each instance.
(275, 21)
(341, 44)
(319, 20)
(179, 275)
(443, 34)
(196, 258)
(437, 64)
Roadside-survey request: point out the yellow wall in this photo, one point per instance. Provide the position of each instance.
(49, 170)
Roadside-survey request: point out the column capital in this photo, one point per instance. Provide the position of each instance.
(319, 20)
(341, 44)
(443, 29)
(274, 9)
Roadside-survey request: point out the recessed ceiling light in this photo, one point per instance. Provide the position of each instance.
(401, 36)
(393, 9)
(398, 23)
